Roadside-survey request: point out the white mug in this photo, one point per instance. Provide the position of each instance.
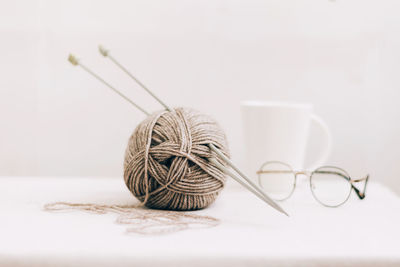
(279, 131)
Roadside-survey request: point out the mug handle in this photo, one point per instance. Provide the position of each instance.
(328, 142)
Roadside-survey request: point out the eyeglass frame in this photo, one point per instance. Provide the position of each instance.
(358, 192)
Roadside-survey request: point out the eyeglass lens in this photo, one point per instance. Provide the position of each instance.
(330, 186)
(277, 180)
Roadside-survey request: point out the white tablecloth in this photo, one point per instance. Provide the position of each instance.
(362, 232)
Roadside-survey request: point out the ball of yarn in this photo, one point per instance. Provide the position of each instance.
(166, 162)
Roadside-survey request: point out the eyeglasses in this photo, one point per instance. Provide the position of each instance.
(330, 186)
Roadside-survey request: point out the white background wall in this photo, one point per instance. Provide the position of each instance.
(343, 56)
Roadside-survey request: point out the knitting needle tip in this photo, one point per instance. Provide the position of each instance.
(103, 51)
(284, 212)
(73, 60)
(275, 205)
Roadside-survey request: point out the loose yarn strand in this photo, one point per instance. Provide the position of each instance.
(139, 219)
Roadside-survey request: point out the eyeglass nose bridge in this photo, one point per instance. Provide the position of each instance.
(305, 173)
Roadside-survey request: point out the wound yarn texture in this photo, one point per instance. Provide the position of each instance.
(166, 161)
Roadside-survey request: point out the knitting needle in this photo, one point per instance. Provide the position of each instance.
(268, 200)
(256, 187)
(255, 192)
(106, 53)
(74, 61)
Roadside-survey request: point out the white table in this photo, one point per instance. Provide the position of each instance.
(363, 232)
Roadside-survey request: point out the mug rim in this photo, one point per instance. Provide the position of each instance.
(283, 104)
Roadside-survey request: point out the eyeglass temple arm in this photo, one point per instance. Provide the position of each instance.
(361, 195)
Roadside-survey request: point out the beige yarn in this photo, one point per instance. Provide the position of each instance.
(141, 220)
(166, 167)
(166, 162)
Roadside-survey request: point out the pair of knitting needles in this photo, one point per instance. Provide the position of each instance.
(250, 185)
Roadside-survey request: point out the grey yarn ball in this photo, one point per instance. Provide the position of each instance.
(166, 161)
